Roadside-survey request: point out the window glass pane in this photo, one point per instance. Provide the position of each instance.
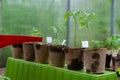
(117, 16)
(21, 16)
(0, 16)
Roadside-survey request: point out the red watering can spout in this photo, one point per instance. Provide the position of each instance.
(8, 39)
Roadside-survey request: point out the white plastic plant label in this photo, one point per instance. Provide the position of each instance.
(49, 39)
(85, 44)
(109, 52)
(114, 55)
(63, 42)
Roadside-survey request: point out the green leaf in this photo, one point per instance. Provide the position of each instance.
(54, 29)
(36, 32)
(67, 14)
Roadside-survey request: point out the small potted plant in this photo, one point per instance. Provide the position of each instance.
(94, 58)
(113, 45)
(74, 56)
(41, 49)
(28, 50)
(56, 50)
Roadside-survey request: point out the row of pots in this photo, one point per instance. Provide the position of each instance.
(58, 55)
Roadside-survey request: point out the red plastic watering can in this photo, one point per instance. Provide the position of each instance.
(8, 39)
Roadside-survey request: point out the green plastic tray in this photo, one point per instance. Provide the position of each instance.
(18, 69)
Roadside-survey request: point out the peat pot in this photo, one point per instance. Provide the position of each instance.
(108, 59)
(17, 50)
(112, 59)
(28, 50)
(57, 55)
(115, 63)
(94, 60)
(74, 58)
(41, 53)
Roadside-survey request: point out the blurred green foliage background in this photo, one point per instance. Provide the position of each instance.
(21, 16)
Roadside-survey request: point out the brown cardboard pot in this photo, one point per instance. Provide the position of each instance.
(28, 50)
(113, 62)
(41, 53)
(108, 59)
(17, 50)
(74, 58)
(95, 60)
(114, 59)
(56, 55)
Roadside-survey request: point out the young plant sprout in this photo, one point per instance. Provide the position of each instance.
(75, 15)
(57, 30)
(113, 42)
(82, 18)
(36, 32)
